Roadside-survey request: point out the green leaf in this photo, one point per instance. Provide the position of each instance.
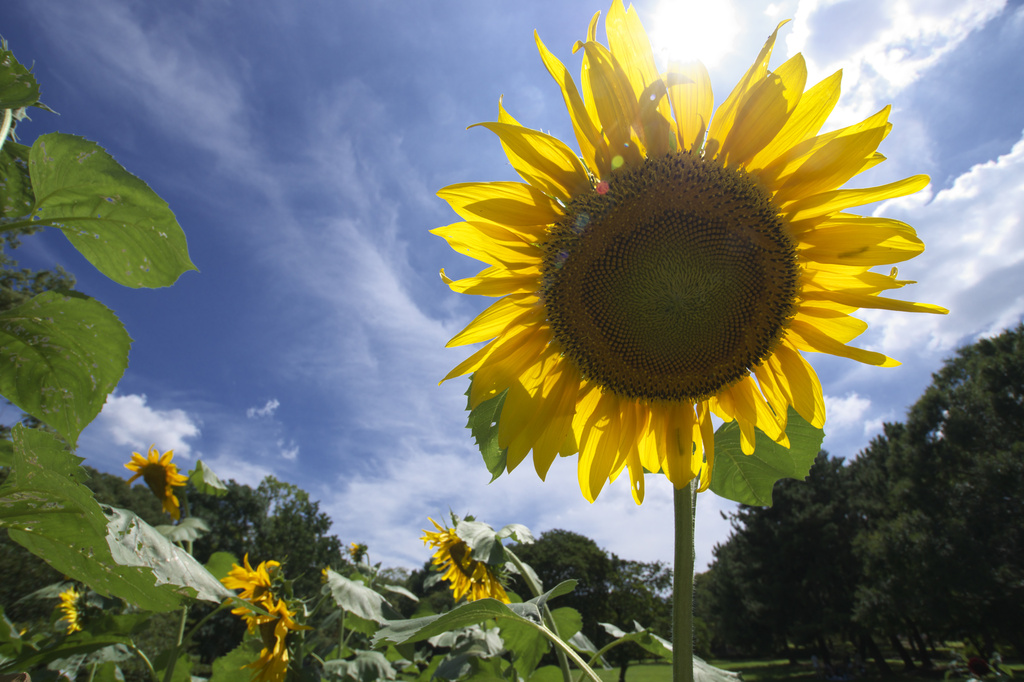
(398, 589)
(63, 354)
(188, 530)
(705, 672)
(357, 598)
(205, 481)
(112, 217)
(230, 668)
(48, 511)
(367, 666)
(527, 644)
(18, 87)
(547, 673)
(643, 637)
(749, 479)
(483, 423)
(107, 672)
(6, 453)
(221, 563)
(78, 643)
(568, 621)
(16, 196)
(464, 615)
(486, 542)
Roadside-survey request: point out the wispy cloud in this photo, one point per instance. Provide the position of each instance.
(267, 410)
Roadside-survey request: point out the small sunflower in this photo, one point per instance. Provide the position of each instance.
(678, 267)
(254, 583)
(357, 551)
(161, 475)
(466, 576)
(71, 606)
(272, 665)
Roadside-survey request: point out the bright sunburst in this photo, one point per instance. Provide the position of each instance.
(688, 30)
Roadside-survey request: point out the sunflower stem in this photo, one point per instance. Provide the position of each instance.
(685, 502)
(549, 620)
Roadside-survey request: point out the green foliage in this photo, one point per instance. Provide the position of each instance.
(18, 88)
(749, 479)
(64, 354)
(483, 423)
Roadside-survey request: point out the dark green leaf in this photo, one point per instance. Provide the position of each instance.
(643, 637)
(221, 563)
(749, 478)
(367, 666)
(527, 644)
(205, 481)
(49, 512)
(547, 673)
(18, 87)
(63, 354)
(112, 217)
(231, 668)
(483, 423)
(16, 197)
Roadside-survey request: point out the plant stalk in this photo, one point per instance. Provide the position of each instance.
(685, 502)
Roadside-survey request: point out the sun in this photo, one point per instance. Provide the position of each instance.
(688, 30)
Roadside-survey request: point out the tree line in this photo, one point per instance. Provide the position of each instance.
(916, 541)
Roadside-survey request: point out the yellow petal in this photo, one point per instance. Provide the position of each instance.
(504, 203)
(588, 135)
(829, 321)
(496, 281)
(726, 116)
(504, 313)
(489, 243)
(542, 160)
(810, 115)
(692, 102)
(838, 200)
(866, 301)
(856, 240)
(808, 337)
(607, 91)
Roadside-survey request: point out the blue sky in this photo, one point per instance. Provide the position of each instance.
(300, 146)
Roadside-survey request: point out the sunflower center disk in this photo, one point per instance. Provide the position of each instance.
(674, 283)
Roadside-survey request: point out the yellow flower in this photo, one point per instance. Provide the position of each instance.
(254, 583)
(272, 665)
(69, 606)
(675, 269)
(466, 576)
(161, 475)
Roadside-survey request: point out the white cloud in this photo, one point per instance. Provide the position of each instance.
(266, 411)
(129, 421)
(289, 452)
(846, 412)
(882, 45)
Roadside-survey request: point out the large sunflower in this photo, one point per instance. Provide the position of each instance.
(466, 576)
(161, 475)
(675, 269)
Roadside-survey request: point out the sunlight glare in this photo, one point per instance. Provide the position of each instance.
(687, 30)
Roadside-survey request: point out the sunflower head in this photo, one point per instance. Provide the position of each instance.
(255, 583)
(161, 475)
(357, 551)
(677, 267)
(466, 576)
(72, 607)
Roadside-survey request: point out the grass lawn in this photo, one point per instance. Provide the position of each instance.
(779, 669)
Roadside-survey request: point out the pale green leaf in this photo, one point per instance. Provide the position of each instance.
(112, 217)
(187, 530)
(63, 354)
(357, 598)
(398, 589)
(749, 478)
(367, 666)
(483, 423)
(205, 481)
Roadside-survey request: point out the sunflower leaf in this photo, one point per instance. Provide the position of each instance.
(205, 481)
(47, 509)
(483, 422)
(749, 479)
(18, 87)
(112, 217)
(357, 598)
(64, 353)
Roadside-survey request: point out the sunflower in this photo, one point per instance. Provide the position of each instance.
(161, 475)
(254, 583)
(272, 665)
(357, 550)
(70, 601)
(466, 576)
(677, 268)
